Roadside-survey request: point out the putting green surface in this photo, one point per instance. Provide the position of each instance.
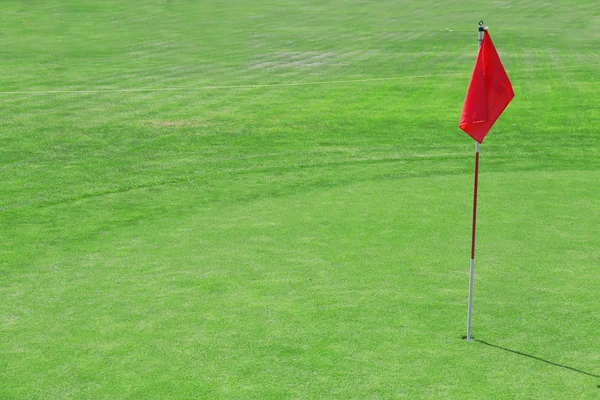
(273, 200)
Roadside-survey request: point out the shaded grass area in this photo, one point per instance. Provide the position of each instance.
(305, 241)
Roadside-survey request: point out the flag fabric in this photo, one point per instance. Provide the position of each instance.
(489, 92)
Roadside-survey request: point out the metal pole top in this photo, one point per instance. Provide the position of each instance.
(482, 29)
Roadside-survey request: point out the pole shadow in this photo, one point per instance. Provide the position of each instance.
(537, 358)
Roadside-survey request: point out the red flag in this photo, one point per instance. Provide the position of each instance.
(488, 95)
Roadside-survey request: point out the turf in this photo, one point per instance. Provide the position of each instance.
(272, 200)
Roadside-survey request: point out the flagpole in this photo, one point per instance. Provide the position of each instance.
(481, 30)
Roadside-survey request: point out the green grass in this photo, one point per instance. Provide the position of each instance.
(272, 200)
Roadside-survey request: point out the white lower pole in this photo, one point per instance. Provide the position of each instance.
(472, 272)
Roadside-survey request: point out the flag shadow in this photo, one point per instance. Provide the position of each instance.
(537, 358)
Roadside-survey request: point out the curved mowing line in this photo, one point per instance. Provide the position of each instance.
(267, 85)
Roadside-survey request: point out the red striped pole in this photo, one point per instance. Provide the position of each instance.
(481, 30)
(472, 264)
